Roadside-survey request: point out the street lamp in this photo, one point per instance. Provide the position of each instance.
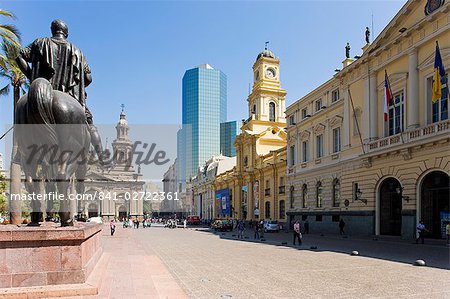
(358, 195)
(399, 191)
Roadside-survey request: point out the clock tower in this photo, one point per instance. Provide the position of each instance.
(266, 103)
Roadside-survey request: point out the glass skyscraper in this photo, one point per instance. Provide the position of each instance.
(228, 132)
(204, 109)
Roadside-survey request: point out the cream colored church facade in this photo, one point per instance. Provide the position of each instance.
(345, 161)
(112, 189)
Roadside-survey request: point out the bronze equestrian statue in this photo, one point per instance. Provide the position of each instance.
(54, 119)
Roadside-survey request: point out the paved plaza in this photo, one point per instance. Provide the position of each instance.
(195, 263)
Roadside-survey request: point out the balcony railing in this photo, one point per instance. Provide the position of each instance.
(436, 129)
(267, 191)
(282, 189)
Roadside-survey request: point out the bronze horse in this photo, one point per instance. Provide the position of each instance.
(53, 145)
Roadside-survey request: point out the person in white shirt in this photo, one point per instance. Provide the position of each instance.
(184, 223)
(421, 229)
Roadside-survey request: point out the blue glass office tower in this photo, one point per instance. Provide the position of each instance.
(204, 108)
(228, 132)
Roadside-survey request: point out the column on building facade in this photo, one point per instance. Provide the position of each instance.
(366, 125)
(346, 120)
(250, 199)
(298, 146)
(275, 191)
(412, 102)
(374, 116)
(238, 207)
(261, 194)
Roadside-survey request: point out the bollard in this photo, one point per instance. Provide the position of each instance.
(419, 263)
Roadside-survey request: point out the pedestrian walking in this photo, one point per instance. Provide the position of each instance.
(250, 224)
(112, 226)
(341, 227)
(261, 228)
(306, 226)
(240, 227)
(297, 233)
(421, 229)
(447, 230)
(256, 230)
(184, 223)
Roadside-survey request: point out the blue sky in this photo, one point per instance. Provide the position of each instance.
(139, 50)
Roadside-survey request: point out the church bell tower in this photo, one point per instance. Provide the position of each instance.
(122, 145)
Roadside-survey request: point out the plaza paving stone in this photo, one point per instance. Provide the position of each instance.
(174, 263)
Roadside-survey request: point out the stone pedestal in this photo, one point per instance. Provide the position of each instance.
(366, 46)
(48, 255)
(346, 62)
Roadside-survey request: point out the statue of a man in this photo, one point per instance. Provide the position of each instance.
(64, 66)
(347, 51)
(367, 35)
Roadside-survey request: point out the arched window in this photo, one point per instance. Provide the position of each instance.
(254, 109)
(304, 195)
(282, 209)
(271, 111)
(319, 194)
(267, 210)
(291, 196)
(336, 192)
(121, 157)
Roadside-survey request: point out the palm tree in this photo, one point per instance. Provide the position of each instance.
(9, 32)
(10, 45)
(10, 71)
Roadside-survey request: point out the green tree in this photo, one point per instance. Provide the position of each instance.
(3, 201)
(10, 71)
(10, 45)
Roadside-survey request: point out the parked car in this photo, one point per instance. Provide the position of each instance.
(222, 225)
(193, 220)
(95, 220)
(271, 226)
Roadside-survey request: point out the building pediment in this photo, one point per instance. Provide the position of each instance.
(410, 17)
(319, 129)
(429, 61)
(304, 135)
(394, 79)
(336, 121)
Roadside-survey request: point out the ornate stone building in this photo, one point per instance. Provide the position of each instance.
(203, 190)
(117, 185)
(346, 160)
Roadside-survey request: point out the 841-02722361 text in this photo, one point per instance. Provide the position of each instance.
(137, 195)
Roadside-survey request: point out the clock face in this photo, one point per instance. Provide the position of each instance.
(270, 73)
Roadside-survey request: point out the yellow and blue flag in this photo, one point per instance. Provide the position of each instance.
(438, 77)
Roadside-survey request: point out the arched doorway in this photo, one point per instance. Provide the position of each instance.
(435, 199)
(92, 210)
(390, 207)
(122, 213)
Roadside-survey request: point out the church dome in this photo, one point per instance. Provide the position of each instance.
(266, 53)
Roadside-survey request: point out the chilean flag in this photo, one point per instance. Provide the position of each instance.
(387, 96)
